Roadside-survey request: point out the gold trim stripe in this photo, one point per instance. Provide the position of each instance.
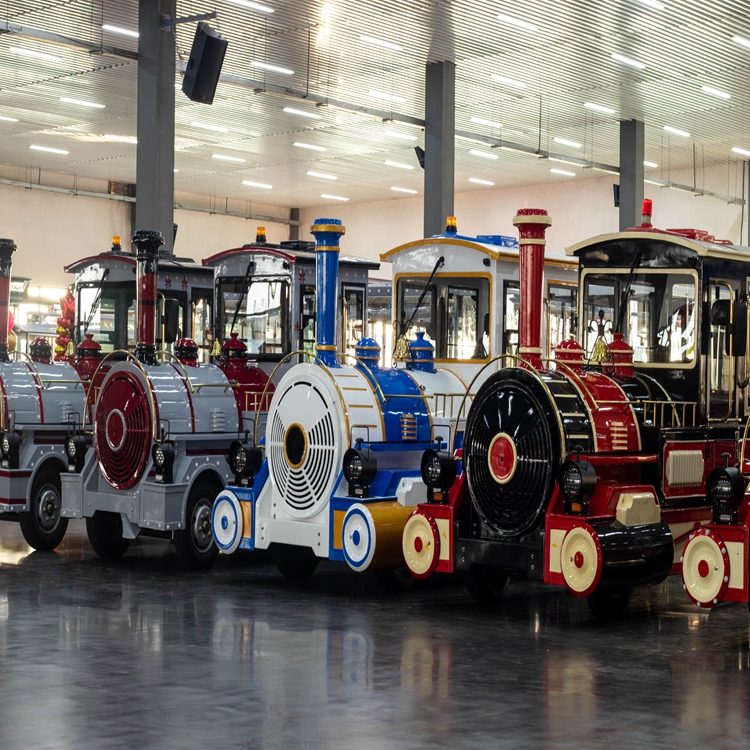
(339, 228)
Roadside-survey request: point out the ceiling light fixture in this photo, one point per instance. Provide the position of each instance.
(228, 158)
(676, 131)
(176, 170)
(323, 175)
(741, 40)
(508, 81)
(82, 103)
(8, 119)
(650, 164)
(388, 97)
(333, 197)
(599, 108)
(566, 142)
(302, 113)
(404, 190)
(716, 92)
(206, 126)
(563, 172)
(310, 146)
(655, 4)
(740, 151)
(627, 61)
(482, 121)
(257, 184)
(402, 136)
(381, 43)
(516, 22)
(34, 53)
(120, 30)
(398, 164)
(653, 182)
(51, 150)
(121, 138)
(272, 68)
(480, 182)
(252, 6)
(483, 154)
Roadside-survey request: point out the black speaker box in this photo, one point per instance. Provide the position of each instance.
(204, 66)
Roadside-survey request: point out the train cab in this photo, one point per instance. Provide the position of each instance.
(266, 294)
(105, 301)
(464, 294)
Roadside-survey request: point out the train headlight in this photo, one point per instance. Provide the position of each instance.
(75, 450)
(245, 463)
(577, 483)
(360, 468)
(163, 455)
(725, 490)
(11, 445)
(438, 473)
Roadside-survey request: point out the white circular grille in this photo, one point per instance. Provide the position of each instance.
(304, 487)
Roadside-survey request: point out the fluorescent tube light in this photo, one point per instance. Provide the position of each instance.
(566, 142)
(627, 61)
(388, 97)
(8, 119)
(34, 53)
(323, 175)
(310, 146)
(676, 131)
(480, 182)
(398, 164)
(272, 68)
(715, 92)
(121, 138)
(228, 158)
(206, 126)
(563, 172)
(257, 184)
(82, 103)
(301, 113)
(51, 150)
(741, 40)
(120, 30)
(740, 151)
(402, 136)
(650, 164)
(508, 81)
(381, 43)
(404, 190)
(252, 6)
(599, 108)
(333, 197)
(482, 121)
(483, 154)
(516, 22)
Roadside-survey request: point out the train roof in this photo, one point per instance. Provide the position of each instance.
(165, 264)
(497, 247)
(701, 247)
(292, 254)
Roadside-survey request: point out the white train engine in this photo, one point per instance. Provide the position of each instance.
(161, 436)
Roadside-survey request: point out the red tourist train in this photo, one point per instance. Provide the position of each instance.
(603, 468)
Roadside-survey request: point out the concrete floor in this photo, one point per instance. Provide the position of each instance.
(139, 654)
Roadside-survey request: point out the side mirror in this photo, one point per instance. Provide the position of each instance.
(171, 320)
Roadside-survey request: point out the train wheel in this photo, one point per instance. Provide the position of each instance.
(105, 534)
(705, 568)
(42, 526)
(395, 579)
(581, 560)
(420, 544)
(610, 603)
(294, 563)
(486, 584)
(195, 543)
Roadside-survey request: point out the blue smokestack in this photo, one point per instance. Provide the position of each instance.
(327, 234)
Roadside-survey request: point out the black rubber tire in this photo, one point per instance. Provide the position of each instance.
(395, 579)
(486, 584)
(610, 603)
(44, 530)
(295, 563)
(105, 535)
(195, 544)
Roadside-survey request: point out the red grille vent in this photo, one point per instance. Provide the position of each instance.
(122, 433)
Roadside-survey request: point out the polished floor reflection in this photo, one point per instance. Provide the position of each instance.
(140, 654)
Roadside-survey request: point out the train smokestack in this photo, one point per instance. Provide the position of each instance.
(327, 235)
(532, 224)
(7, 248)
(147, 242)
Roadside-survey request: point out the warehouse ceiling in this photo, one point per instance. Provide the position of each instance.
(528, 73)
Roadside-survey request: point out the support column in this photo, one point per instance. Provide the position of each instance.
(439, 145)
(294, 228)
(632, 135)
(155, 158)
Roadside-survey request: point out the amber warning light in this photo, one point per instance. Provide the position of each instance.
(450, 224)
(116, 245)
(260, 234)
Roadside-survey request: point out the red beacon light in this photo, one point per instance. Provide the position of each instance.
(647, 212)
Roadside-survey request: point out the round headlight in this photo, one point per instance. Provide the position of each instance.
(571, 481)
(721, 490)
(6, 445)
(438, 469)
(432, 471)
(353, 467)
(240, 459)
(70, 447)
(159, 456)
(726, 487)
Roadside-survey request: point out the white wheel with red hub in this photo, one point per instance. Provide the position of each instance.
(421, 544)
(502, 458)
(705, 568)
(581, 560)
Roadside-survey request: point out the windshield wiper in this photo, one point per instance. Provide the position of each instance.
(95, 304)
(245, 288)
(404, 326)
(626, 293)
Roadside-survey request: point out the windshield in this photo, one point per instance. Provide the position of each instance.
(113, 322)
(263, 318)
(454, 314)
(658, 320)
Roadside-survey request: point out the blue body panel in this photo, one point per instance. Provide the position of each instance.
(251, 495)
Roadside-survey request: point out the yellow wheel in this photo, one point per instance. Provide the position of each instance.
(705, 568)
(421, 544)
(581, 559)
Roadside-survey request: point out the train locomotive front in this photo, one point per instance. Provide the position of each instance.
(161, 436)
(343, 444)
(584, 471)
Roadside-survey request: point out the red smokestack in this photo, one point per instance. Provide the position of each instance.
(532, 223)
(148, 243)
(7, 247)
